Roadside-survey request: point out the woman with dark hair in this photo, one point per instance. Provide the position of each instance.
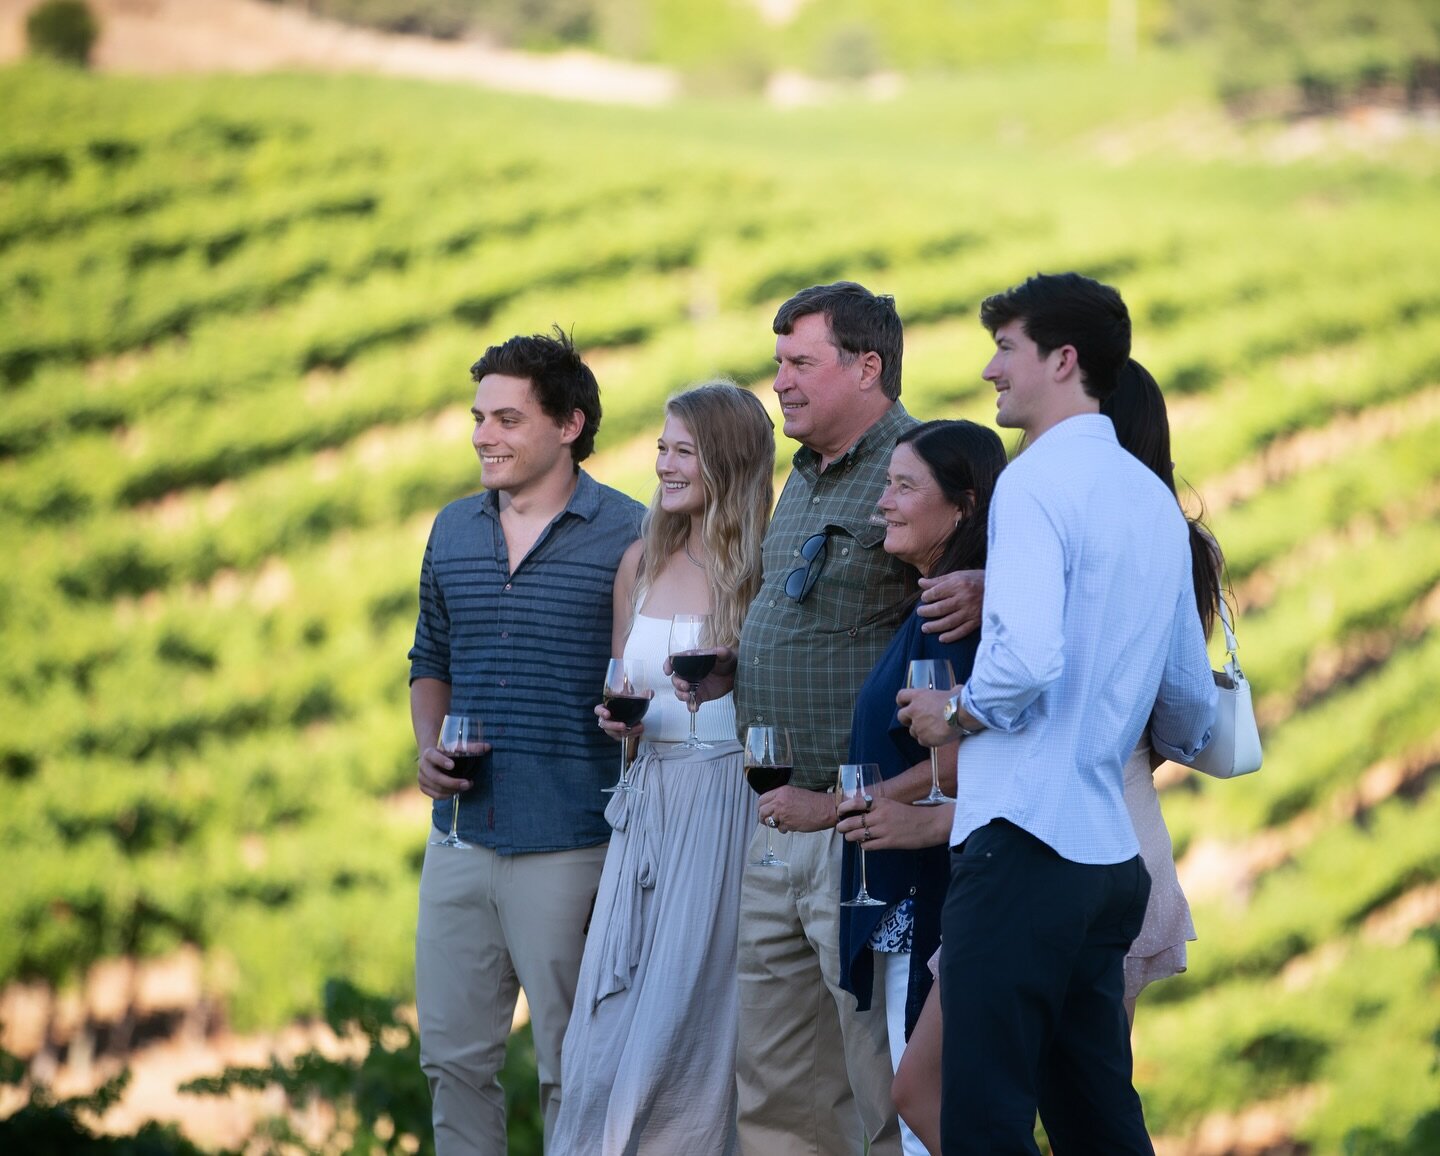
(648, 1062)
(1137, 410)
(935, 506)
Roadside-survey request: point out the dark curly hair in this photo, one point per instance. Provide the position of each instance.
(562, 383)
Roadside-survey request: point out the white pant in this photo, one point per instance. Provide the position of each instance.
(892, 969)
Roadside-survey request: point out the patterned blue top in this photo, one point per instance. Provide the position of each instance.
(907, 880)
(527, 653)
(1088, 634)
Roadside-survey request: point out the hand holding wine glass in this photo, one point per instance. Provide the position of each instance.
(462, 741)
(692, 657)
(858, 785)
(626, 697)
(768, 764)
(931, 674)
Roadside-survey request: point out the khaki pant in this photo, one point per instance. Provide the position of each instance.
(813, 1074)
(490, 925)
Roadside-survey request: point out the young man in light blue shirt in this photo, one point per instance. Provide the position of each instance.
(1089, 635)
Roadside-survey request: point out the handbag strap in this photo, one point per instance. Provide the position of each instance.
(1231, 645)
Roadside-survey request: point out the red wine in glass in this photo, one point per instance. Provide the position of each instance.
(766, 777)
(467, 766)
(460, 739)
(626, 695)
(692, 658)
(693, 666)
(768, 765)
(627, 708)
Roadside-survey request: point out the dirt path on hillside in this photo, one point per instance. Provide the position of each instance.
(166, 36)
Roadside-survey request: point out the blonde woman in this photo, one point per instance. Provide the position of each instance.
(648, 1063)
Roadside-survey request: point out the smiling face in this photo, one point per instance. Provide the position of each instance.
(520, 447)
(1021, 376)
(677, 465)
(919, 518)
(827, 402)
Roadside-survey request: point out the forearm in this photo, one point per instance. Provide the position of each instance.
(429, 703)
(914, 782)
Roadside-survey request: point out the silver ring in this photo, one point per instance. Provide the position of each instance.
(770, 822)
(869, 834)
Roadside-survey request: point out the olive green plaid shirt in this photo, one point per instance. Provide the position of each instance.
(801, 663)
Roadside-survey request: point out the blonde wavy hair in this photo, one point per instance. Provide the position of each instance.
(735, 443)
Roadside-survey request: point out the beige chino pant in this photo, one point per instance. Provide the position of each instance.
(490, 925)
(813, 1074)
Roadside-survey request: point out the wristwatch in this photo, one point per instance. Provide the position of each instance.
(952, 718)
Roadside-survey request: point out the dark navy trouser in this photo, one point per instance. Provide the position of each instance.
(1032, 981)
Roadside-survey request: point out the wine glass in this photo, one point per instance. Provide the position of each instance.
(626, 696)
(932, 674)
(768, 764)
(692, 658)
(460, 738)
(860, 781)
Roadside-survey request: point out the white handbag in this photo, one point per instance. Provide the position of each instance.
(1234, 747)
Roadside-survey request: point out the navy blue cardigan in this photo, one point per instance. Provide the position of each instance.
(876, 736)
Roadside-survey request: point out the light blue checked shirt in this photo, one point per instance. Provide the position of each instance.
(1089, 633)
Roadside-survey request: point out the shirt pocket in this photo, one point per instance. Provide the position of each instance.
(861, 586)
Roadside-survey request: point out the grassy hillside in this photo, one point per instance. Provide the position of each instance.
(235, 321)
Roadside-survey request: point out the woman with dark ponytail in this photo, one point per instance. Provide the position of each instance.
(1137, 410)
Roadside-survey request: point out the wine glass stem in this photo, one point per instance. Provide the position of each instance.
(454, 815)
(694, 708)
(934, 772)
(769, 854)
(864, 884)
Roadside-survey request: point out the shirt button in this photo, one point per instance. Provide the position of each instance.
(507, 586)
(772, 602)
(504, 683)
(794, 553)
(815, 501)
(504, 634)
(844, 550)
(755, 661)
(854, 630)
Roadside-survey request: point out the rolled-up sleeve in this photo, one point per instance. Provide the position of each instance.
(430, 656)
(1185, 707)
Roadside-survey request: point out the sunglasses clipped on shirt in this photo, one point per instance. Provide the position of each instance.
(801, 580)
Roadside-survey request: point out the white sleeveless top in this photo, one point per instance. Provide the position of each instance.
(668, 719)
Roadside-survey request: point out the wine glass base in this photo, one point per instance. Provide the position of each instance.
(933, 801)
(622, 789)
(863, 900)
(769, 861)
(453, 841)
(697, 745)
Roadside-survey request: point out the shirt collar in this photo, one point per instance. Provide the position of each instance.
(1082, 425)
(584, 500)
(883, 432)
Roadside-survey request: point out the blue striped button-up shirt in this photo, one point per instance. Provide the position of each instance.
(1089, 633)
(527, 652)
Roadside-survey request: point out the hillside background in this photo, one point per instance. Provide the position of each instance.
(236, 316)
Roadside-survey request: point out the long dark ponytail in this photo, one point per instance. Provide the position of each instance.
(1137, 409)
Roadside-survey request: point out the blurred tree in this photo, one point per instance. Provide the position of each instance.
(1326, 52)
(63, 29)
